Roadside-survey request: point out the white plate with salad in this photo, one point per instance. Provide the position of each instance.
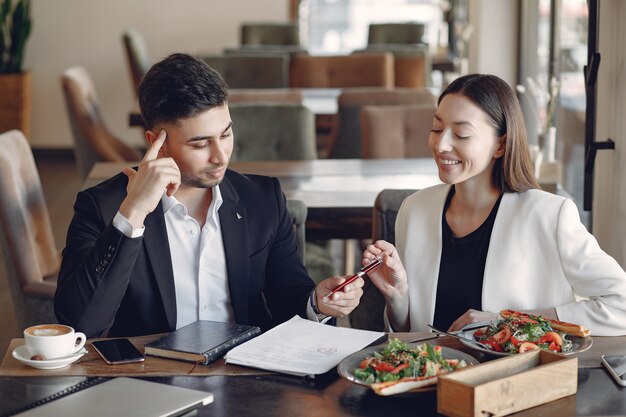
(398, 367)
(520, 333)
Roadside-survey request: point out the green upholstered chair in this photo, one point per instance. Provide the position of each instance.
(265, 33)
(298, 212)
(369, 313)
(93, 141)
(398, 33)
(347, 141)
(252, 70)
(137, 56)
(267, 131)
(274, 132)
(30, 256)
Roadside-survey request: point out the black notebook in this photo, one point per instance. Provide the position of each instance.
(202, 341)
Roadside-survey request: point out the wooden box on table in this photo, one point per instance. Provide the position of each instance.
(507, 385)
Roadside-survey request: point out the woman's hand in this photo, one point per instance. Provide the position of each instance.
(473, 316)
(391, 280)
(390, 277)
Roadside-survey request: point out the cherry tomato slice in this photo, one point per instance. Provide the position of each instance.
(365, 363)
(400, 367)
(502, 336)
(514, 341)
(527, 347)
(383, 367)
(496, 347)
(551, 337)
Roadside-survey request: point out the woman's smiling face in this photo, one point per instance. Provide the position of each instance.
(463, 141)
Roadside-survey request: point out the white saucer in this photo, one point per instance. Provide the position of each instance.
(22, 354)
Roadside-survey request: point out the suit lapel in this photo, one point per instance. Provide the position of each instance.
(234, 223)
(157, 246)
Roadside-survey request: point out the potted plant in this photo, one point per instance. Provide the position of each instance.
(15, 27)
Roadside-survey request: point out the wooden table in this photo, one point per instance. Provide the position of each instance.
(339, 193)
(263, 394)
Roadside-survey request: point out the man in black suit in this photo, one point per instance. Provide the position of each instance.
(181, 237)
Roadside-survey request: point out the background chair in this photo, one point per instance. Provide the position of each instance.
(412, 63)
(395, 33)
(298, 212)
(359, 70)
(369, 313)
(252, 70)
(265, 95)
(347, 138)
(92, 139)
(396, 131)
(270, 34)
(137, 56)
(31, 258)
(280, 132)
(267, 131)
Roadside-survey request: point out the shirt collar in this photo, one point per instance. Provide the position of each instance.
(171, 202)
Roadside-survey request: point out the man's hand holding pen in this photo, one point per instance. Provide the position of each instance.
(342, 302)
(342, 294)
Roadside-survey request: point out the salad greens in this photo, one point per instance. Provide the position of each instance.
(398, 360)
(517, 335)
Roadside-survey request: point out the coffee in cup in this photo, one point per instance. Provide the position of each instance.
(51, 341)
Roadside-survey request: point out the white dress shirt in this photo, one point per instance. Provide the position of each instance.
(198, 262)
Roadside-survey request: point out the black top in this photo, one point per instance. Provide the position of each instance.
(462, 268)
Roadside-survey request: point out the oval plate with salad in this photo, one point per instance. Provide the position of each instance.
(519, 332)
(399, 367)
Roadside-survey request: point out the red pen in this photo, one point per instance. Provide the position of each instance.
(367, 268)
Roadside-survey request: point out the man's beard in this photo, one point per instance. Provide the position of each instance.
(199, 181)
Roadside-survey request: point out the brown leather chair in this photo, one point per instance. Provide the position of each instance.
(137, 56)
(359, 70)
(412, 63)
(396, 131)
(92, 139)
(346, 142)
(31, 258)
(369, 313)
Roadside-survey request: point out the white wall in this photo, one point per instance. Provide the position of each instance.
(89, 33)
(609, 205)
(493, 46)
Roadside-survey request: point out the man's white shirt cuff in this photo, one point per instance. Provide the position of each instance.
(123, 225)
(310, 314)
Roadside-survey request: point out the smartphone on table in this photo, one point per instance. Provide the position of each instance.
(616, 365)
(116, 351)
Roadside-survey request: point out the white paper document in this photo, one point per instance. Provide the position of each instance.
(301, 347)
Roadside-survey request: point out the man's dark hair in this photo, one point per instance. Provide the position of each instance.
(178, 87)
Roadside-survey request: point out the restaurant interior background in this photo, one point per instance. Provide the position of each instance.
(526, 42)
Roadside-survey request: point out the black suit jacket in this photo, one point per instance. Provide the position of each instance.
(126, 286)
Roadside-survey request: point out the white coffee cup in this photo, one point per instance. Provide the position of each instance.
(51, 341)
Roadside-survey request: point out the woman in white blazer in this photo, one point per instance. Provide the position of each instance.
(488, 239)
